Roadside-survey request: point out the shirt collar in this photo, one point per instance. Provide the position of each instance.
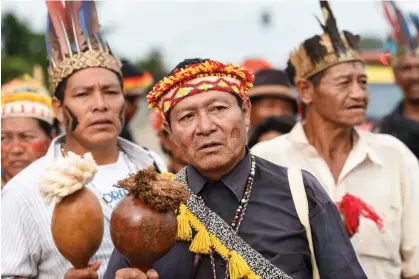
(235, 180)
(362, 146)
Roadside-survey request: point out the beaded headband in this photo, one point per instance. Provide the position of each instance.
(402, 40)
(74, 41)
(198, 78)
(321, 52)
(26, 97)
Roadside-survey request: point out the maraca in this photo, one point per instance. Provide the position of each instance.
(144, 223)
(77, 222)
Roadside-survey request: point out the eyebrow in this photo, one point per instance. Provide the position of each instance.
(29, 131)
(347, 76)
(208, 102)
(90, 87)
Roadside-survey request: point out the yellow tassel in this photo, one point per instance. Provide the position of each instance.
(237, 267)
(184, 230)
(201, 243)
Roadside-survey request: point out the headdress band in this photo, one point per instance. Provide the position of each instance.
(208, 75)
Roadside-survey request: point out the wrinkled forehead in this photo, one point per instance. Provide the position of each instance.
(93, 77)
(346, 69)
(192, 88)
(199, 101)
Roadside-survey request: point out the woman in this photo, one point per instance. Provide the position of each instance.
(271, 127)
(27, 122)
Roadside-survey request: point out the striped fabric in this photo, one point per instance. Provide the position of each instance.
(27, 247)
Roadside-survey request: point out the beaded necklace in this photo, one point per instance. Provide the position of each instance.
(240, 212)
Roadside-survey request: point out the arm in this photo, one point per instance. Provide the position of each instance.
(410, 228)
(334, 253)
(19, 236)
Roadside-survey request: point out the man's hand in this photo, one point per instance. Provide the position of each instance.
(133, 273)
(85, 273)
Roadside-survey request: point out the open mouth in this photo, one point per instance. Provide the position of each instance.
(357, 107)
(209, 146)
(102, 122)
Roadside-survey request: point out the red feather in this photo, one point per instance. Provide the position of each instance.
(393, 22)
(76, 33)
(59, 24)
(353, 208)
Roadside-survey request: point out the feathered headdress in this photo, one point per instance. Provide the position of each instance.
(402, 39)
(321, 52)
(74, 41)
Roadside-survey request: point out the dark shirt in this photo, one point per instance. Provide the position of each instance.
(126, 134)
(271, 226)
(401, 127)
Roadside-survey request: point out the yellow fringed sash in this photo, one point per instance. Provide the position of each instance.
(204, 241)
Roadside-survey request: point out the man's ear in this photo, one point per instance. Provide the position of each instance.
(247, 109)
(305, 90)
(167, 128)
(57, 107)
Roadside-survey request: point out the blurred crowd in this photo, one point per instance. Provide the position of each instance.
(302, 118)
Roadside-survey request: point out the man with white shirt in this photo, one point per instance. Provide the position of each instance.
(330, 78)
(88, 101)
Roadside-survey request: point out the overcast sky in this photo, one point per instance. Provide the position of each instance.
(224, 30)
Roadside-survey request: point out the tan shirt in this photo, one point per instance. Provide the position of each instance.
(383, 172)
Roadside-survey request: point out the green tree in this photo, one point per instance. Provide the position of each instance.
(22, 48)
(154, 63)
(370, 42)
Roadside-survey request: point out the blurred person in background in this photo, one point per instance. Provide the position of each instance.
(356, 168)
(270, 128)
(27, 122)
(175, 159)
(403, 122)
(256, 64)
(136, 83)
(271, 95)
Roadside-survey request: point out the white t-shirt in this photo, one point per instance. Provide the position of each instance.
(108, 175)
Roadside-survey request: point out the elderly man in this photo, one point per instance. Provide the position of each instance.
(243, 200)
(89, 102)
(330, 78)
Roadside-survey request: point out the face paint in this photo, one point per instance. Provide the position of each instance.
(235, 133)
(28, 152)
(39, 148)
(72, 121)
(4, 151)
